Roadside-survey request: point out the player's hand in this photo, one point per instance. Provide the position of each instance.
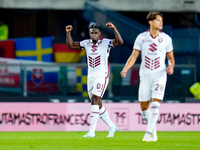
(110, 25)
(68, 28)
(123, 74)
(170, 70)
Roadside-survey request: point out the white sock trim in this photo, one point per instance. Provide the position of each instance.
(95, 108)
(102, 111)
(155, 105)
(145, 115)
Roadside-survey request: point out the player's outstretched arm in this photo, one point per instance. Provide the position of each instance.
(118, 39)
(130, 62)
(170, 68)
(70, 43)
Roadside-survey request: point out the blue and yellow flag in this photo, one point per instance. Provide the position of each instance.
(81, 85)
(81, 82)
(38, 49)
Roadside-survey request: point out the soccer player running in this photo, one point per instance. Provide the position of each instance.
(154, 46)
(97, 50)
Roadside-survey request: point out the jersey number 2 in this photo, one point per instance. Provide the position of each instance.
(159, 87)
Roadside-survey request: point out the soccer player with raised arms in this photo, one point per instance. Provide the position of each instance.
(97, 51)
(153, 45)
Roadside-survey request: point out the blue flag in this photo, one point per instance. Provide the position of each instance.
(38, 49)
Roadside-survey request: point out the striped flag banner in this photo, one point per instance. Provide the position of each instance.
(63, 54)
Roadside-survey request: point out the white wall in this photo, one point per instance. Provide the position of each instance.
(43, 4)
(148, 5)
(120, 5)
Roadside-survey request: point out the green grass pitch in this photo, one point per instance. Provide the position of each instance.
(75, 141)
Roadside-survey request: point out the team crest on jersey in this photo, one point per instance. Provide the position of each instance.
(99, 42)
(160, 40)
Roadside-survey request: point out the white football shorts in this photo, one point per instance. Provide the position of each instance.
(152, 86)
(97, 86)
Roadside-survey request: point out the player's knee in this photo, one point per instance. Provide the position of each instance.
(144, 105)
(143, 108)
(95, 100)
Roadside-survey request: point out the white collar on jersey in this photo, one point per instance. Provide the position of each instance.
(148, 33)
(99, 41)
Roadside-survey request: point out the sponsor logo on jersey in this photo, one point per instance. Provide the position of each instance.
(148, 40)
(153, 47)
(94, 48)
(94, 53)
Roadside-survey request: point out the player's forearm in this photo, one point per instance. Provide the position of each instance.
(171, 59)
(118, 37)
(131, 61)
(69, 40)
(172, 62)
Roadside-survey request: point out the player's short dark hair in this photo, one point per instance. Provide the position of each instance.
(152, 15)
(94, 25)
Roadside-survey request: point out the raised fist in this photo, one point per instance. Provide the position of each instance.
(110, 25)
(68, 28)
